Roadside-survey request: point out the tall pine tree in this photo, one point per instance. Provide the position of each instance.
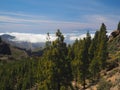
(118, 28)
(81, 62)
(0, 40)
(57, 54)
(84, 58)
(103, 54)
(98, 52)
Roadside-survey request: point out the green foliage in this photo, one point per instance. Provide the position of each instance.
(0, 40)
(114, 45)
(58, 65)
(118, 28)
(94, 69)
(80, 64)
(45, 75)
(19, 75)
(103, 46)
(89, 56)
(98, 52)
(48, 42)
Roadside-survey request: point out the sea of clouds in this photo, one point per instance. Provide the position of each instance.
(42, 38)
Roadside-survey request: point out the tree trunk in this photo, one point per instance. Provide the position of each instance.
(58, 86)
(84, 83)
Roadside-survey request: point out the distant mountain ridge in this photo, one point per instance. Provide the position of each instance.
(9, 52)
(21, 44)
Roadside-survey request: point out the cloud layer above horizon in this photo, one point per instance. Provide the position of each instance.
(42, 38)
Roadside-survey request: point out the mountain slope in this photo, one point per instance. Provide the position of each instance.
(21, 44)
(10, 53)
(114, 59)
(110, 77)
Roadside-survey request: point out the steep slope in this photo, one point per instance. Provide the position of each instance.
(114, 42)
(18, 53)
(113, 75)
(110, 77)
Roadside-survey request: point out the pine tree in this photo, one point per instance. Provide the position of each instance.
(80, 62)
(48, 42)
(84, 58)
(98, 52)
(0, 40)
(102, 54)
(46, 74)
(62, 63)
(118, 28)
(94, 69)
(70, 53)
(94, 66)
(93, 50)
(57, 54)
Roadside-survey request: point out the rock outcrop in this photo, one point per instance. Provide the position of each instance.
(114, 34)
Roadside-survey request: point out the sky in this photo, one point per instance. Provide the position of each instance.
(42, 16)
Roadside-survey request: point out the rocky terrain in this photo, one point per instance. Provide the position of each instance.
(110, 77)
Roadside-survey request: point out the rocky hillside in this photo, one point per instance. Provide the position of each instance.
(110, 77)
(114, 42)
(113, 75)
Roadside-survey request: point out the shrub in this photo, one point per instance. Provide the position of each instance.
(104, 85)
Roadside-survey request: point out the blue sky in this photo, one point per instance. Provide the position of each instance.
(38, 16)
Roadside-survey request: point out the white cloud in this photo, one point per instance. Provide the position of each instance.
(41, 38)
(72, 38)
(28, 37)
